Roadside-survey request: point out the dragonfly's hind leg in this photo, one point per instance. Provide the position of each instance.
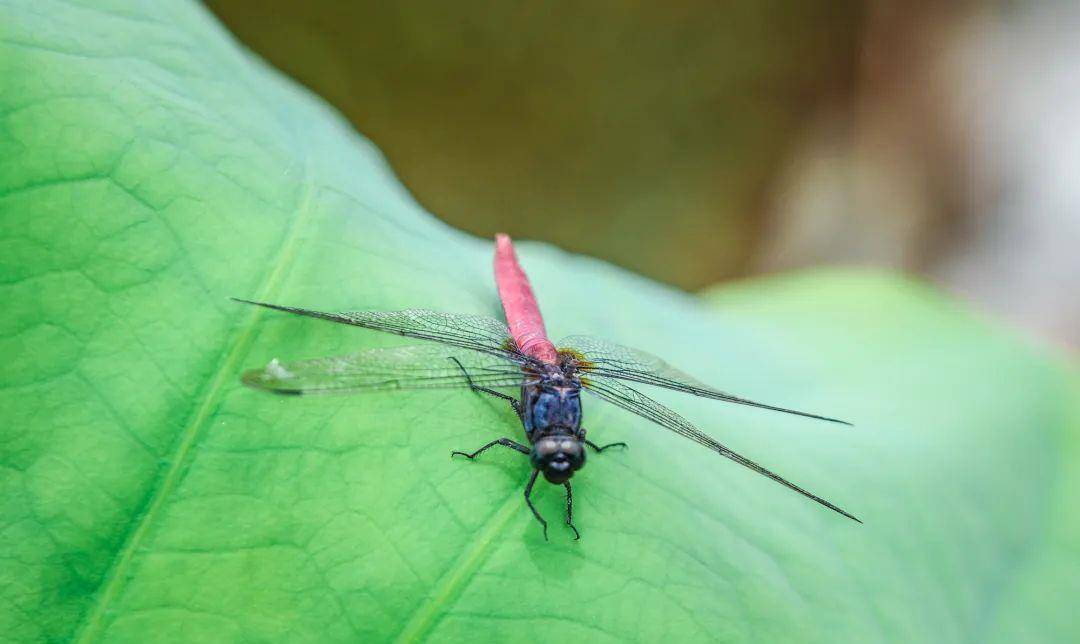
(498, 394)
(528, 501)
(570, 510)
(505, 442)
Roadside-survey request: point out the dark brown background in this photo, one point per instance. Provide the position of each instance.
(697, 141)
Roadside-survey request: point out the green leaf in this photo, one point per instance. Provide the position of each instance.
(150, 169)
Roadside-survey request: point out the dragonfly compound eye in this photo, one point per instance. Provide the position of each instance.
(558, 457)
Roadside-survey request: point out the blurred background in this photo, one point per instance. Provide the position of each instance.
(700, 141)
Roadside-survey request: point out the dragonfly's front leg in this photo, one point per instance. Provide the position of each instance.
(599, 448)
(528, 493)
(505, 442)
(570, 510)
(514, 403)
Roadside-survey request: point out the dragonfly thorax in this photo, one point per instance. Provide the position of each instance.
(551, 405)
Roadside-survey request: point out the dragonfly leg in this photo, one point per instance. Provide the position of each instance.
(600, 449)
(505, 442)
(570, 511)
(528, 501)
(498, 394)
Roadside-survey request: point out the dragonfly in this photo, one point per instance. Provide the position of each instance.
(485, 355)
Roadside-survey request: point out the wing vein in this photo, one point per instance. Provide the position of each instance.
(638, 403)
(613, 360)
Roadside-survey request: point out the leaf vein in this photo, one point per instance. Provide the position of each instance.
(114, 579)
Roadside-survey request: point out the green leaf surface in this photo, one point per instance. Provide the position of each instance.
(149, 168)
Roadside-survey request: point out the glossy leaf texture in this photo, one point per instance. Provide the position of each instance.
(150, 168)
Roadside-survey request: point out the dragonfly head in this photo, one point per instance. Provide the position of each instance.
(558, 456)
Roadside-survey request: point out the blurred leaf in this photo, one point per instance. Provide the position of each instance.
(151, 169)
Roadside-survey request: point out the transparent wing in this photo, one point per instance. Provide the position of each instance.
(476, 332)
(638, 403)
(617, 361)
(409, 367)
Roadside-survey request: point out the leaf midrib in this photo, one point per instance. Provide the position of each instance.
(115, 577)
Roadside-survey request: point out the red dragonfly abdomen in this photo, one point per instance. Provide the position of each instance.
(519, 304)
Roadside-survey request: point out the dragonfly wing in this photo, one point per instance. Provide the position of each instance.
(617, 361)
(476, 332)
(638, 403)
(408, 367)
